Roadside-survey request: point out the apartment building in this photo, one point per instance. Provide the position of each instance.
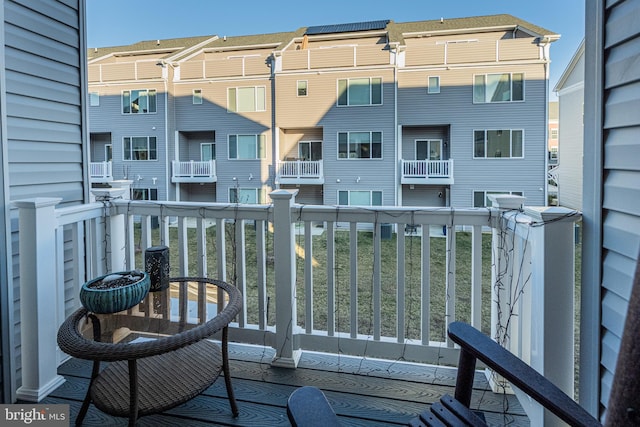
(428, 113)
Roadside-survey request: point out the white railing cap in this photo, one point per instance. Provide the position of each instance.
(506, 201)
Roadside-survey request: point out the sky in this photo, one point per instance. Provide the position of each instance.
(123, 22)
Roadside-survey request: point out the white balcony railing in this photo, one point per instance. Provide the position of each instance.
(308, 285)
(101, 171)
(300, 172)
(427, 172)
(193, 171)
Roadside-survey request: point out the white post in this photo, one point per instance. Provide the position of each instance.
(284, 264)
(40, 295)
(552, 300)
(116, 244)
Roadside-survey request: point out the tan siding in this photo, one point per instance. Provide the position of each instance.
(256, 65)
(148, 70)
(518, 49)
(372, 55)
(473, 51)
(191, 70)
(332, 57)
(289, 139)
(122, 71)
(424, 54)
(93, 72)
(307, 111)
(295, 60)
(223, 68)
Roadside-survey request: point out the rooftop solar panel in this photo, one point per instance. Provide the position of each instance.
(344, 28)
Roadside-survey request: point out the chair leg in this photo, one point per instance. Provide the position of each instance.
(227, 372)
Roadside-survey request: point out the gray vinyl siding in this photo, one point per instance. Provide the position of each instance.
(454, 107)
(570, 148)
(109, 112)
(621, 175)
(43, 68)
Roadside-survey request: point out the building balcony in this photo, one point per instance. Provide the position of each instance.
(101, 171)
(300, 172)
(324, 296)
(427, 172)
(193, 171)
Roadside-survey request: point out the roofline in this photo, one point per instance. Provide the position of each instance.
(572, 64)
(187, 51)
(460, 30)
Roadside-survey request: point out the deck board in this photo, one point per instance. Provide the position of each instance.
(363, 392)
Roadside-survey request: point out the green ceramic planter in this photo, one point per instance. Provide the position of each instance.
(112, 296)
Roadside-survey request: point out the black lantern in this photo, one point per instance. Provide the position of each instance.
(156, 263)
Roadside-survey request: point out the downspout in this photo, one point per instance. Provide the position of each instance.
(545, 46)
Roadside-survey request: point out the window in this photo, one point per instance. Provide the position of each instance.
(197, 96)
(554, 133)
(141, 101)
(243, 147)
(360, 198)
(246, 195)
(360, 145)
(363, 91)
(140, 148)
(481, 199)
(302, 87)
(144, 194)
(246, 99)
(498, 143)
(553, 153)
(207, 151)
(310, 150)
(433, 85)
(94, 99)
(429, 149)
(108, 152)
(503, 87)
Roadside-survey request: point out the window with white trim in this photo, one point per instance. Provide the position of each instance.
(554, 133)
(196, 96)
(246, 99)
(360, 145)
(505, 143)
(108, 152)
(247, 147)
(247, 195)
(360, 197)
(303, 86)
(140, 148)
(360, 91)
(481, 199)
(504, 87)
(94, 99)
(140, 101)
(144, 194)
(207, 151)
(433, 84)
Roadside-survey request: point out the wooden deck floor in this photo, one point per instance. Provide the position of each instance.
(363, 392)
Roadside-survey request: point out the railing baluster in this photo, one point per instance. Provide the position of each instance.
(331, 269)
(425, 284)
(450, 304)
(201, 236)
(400, 298)
(353, 280)
(308, 277)
(240, 273)
(183, 247)
(377, 283)
(261, 260)
(476, 277)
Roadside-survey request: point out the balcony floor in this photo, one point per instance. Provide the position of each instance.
(364, 392)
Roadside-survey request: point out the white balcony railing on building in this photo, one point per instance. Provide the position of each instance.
(193, 171)
(427, 168)
(305, 282)
(299, 171)
(101, 171)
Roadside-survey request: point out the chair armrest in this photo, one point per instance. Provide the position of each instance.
(308, 407)
(479, 346)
